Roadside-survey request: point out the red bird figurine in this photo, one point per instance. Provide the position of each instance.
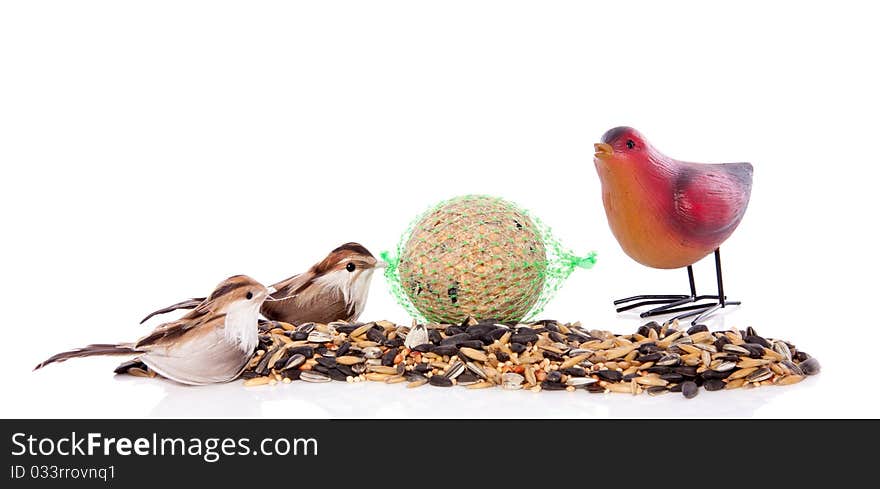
(667, 213)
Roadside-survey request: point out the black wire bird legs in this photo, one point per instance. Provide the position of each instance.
(673, 304)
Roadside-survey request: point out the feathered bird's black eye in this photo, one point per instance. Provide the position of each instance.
(350, 267)
(250, 295)
(630, 144)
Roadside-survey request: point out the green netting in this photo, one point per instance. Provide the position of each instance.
(479, 256)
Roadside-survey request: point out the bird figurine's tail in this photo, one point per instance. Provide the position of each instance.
(88, 351)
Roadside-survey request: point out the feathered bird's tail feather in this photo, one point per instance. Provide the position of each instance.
(88, 351)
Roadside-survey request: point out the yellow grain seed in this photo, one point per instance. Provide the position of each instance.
(702, 336)
(735, 384)
(631, 370)
(505, 338)
(571, 362)
(361, 330)
(619, 388)
(480, 385)
(790, 379)
(474, 354)
(742, 373)
(256, 381)
(376, 377)
(777, 369)
(752, 362)
(348, 360)
(650, 380)
(396, 379)
(416, 383)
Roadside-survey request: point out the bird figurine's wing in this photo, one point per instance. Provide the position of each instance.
(710, 200)
(187, 304)
(299, 299)
(175, 329)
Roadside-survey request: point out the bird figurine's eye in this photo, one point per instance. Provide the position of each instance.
(250, 295)
(350, 267)
(630, 144)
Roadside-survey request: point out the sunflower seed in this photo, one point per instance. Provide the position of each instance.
(312, 376)
(810, 366)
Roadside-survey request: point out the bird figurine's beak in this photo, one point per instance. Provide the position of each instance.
(380, 264)
(603, 150)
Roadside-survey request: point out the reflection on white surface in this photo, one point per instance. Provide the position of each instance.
(87, 388)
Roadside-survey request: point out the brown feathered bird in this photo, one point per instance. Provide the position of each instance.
(334, 289)
(210, 344)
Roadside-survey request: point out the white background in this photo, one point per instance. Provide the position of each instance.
(151, 149)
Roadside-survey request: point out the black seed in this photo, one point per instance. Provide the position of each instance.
(321, 351)
(650, 357)
(328, 362)
(467, 377)
(320, 368)
(674, 388)
(376, 333)
(455, 339)
(337, 375)
(801, 356)
(413, 376)
(648, 348)
(557, 337)
(247, 374)
(345, 369)
(554, 376)
(479, 330)
(343, 348)
(758, 340)
(552, 386)
(434, 336)
(750, 331)
(656, 389)
(672, 377)
(452, 292)
(291, 374)
(524, 338)
(713, 375)
(572, 371)
(422, 368)
(644, 331)
(424, 348)
(440, 381)
(525, 330)
(445, 350)
(714, 384)
(629, 377)
(610, 375)
(454, 330)
(552, 356)
(658, 369)
(577, 337)
(517, 347)
(689, 389)
(495, 334)
(810, 366)
(686, 371)
(306, 351)
(755, 350)
(388, 357)
(655, 326)
(395, 343)
(348, 328)
(299, 335)
(595, 388)
(697, 328)
(262, 367)
(502, 356)
(477, 344)
(720, 342)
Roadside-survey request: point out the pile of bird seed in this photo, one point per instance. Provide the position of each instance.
(544, 355)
